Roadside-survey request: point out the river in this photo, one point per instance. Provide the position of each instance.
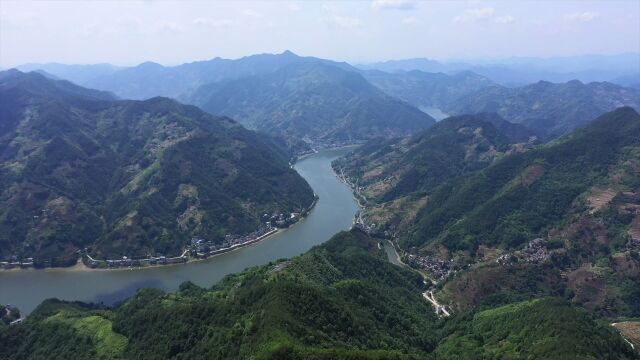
(333, 212)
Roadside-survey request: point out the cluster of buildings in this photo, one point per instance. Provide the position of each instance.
(534, 252)
(202, 247)
(272, 222)
(198, 247)
(127, 262)
(437, 268)
(280, 220)
(15, 263)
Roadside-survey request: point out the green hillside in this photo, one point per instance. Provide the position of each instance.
(341, 300)
(556, 219)
(127, 177)
(426, 89)
(524, 195)
(318, 102)
(395, 178)
(548, 108)
(544, 328)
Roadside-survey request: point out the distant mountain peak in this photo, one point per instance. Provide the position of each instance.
(149, 64)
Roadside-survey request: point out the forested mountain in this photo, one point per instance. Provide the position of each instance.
(35, 84)
(396, 177)
(78, 169)
(424, 89)
(519, 71)
(341, 300)
(547, 108)
(559, 219)
(319, 102)
(78, 74)
(150, 79)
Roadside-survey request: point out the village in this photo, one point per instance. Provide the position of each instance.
(198, 248)
(437, 268)
(201, 248)
(534, 252)
(15, 263)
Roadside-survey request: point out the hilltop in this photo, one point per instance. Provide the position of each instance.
(318, 102)
(395, 178)
(555, 219)
(81, 170)
(550, 109)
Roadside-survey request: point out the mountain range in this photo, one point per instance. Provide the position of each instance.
(122, 177)
(151, 79)
(520, 214)
(314, 101)
(427, 89)
(398, 175)
(522, 71)
(547, 108)
(330, 103)
(322, 101)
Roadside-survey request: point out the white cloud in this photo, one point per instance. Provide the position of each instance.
(507, 19)
(334, 18)
(393, 4)
(482, 14)
(582, 16)
(471, 15)
(292, 6)
(206, 22)
(345, 22)
(169, 27)
(410, 20)
(131, 26)
(252, 14)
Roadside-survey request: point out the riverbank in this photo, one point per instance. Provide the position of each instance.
(80, 266)
(157, 262)
(314, 151)
(333, 213)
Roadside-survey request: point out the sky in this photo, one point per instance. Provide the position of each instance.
(173, 32)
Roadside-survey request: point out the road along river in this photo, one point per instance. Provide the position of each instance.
(333, 212)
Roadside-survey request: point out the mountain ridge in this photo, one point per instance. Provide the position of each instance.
(126, 177)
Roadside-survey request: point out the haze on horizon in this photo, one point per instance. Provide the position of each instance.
(170, 32)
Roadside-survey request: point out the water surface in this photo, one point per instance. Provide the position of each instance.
(333, 212)
(435, 113)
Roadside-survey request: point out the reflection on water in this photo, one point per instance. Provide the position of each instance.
(333, 212)
(110, 298)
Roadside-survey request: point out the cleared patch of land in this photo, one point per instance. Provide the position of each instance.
(630, 330)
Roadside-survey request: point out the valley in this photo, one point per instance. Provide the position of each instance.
(319, 180)
(333, 212)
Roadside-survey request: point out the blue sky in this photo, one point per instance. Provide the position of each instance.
(172, 32)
